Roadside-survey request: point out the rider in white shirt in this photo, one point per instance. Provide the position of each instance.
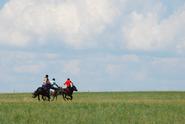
(53, 84)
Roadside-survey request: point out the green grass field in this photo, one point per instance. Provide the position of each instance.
(95, 108)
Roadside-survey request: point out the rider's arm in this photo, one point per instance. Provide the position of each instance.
(71, 83)
(55, 85)
(44, 81)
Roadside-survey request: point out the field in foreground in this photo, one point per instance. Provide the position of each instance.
(96, 108)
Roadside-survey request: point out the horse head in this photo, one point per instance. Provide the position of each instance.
(74, 88)
(34, 94)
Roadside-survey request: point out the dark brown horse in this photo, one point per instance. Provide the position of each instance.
(56, 92)
(67, 93)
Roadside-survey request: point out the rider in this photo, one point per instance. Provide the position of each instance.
(53, 84)
(46, 83)
(68, 84)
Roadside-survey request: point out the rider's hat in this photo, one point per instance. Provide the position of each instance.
(53, 79)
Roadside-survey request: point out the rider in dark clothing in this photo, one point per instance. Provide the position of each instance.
(46, 83)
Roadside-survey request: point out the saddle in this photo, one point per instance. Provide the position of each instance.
(67, 90)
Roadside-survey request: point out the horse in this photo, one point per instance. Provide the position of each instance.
(56, 92)
(67, 93)
(43, 92)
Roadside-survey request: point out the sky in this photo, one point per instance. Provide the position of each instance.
(101, 45)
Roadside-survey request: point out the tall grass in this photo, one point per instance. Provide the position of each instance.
(96, 108)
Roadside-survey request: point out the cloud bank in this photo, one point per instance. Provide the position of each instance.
(147, 31)
(78, 24)
(74, 23)
(137, 45)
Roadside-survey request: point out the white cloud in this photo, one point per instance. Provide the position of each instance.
(140, 76)
(122, 58)
(147, 31)
(119, 66)
(72, 67)
(114, 70)
(33, 69)
(23, 22)
(181, 47)
(129, 58)
(27, 62)
(169, 63)
(103, 23)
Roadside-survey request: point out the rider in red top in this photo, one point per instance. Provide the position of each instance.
(68, 83)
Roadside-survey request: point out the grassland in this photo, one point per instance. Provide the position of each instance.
(96, 108)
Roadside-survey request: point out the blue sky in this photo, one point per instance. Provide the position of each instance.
(107, 45)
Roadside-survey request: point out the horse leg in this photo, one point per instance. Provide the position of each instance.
(64, 96)
(48, 97)
(56, 96)
(68, 97)
(71, 97)
(53, 96)
(43, 98)
(39, 97)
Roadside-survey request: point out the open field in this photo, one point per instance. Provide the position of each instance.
(96, 108)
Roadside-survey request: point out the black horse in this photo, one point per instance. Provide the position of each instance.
(43, 92)
(67, 93)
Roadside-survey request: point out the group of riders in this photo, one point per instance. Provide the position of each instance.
(51, 88)
(52, 85)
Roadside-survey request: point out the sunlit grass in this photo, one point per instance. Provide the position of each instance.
(95, 108)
